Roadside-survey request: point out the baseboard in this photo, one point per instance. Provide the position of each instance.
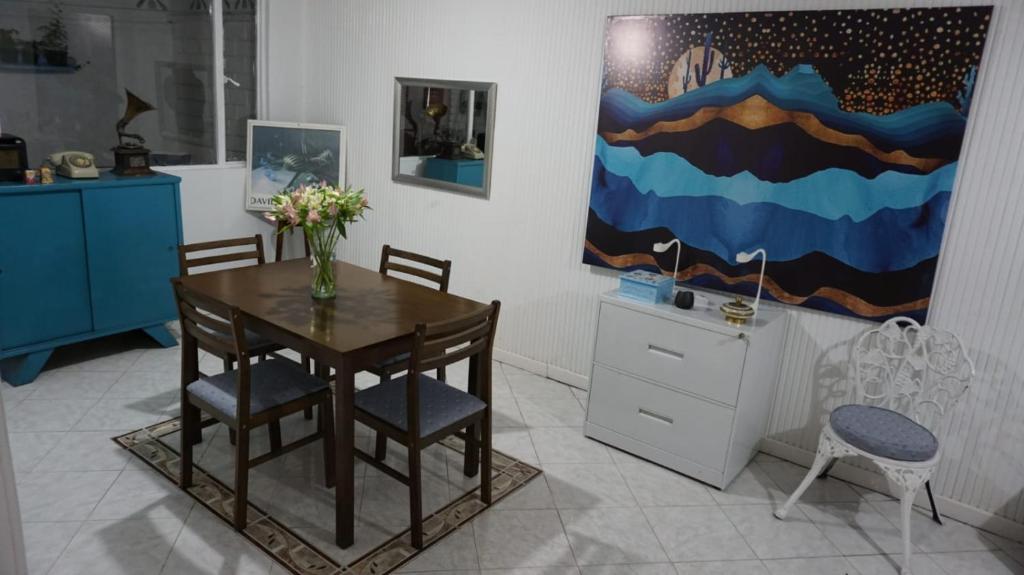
(876, 481)
(542, 369)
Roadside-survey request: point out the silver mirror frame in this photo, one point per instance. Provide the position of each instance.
(491, 88)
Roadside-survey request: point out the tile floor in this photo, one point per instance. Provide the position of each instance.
(87, 508)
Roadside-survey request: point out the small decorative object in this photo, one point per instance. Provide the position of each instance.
(13, 158)
(737, 312)
(662, 247)
(646, 287)
(45, 175)
(131, 158)
(747, 257)
(31, 177)
(684, 300)
(282, 156)
(321, 211)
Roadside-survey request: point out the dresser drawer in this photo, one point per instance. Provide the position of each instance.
(681, 424)
(675, 354)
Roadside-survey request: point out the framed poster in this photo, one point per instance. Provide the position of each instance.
(284, 155)
(830, 138)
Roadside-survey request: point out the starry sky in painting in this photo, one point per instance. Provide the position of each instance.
(875, 61)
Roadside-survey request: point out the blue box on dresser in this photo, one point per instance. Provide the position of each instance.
(646, 287)
(81, 259)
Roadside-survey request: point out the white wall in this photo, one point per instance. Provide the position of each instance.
(12, 548)
(524, 245)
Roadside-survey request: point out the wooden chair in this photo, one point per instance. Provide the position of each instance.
(243, 398)
(388, 266)
(258, 345)
(417, 410)
(307, 362)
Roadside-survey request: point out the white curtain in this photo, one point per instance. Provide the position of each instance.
(12, 547)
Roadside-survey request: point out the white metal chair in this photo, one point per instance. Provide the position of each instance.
(908, 377)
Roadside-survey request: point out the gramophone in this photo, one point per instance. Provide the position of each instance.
(131, 158)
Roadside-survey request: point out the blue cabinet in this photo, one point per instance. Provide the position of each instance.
(81, 259)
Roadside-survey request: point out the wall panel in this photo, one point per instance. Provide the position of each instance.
(524, 245)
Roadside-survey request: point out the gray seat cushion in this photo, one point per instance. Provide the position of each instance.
(440, 405)
(396, 363)
(255, 342)
(272, 383)
(883, 432)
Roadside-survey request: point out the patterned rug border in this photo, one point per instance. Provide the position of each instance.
(292, 551)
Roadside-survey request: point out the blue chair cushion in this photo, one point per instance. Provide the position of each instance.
(273, 383)
(440, 405)
(883, 432)
(400, 361)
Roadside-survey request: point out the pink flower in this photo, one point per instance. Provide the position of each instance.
(313, 217)
(270, 216)
(333, 210)
(293, 220)
(364, 202)
(289, 210)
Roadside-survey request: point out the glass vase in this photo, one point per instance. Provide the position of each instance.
(322, 245)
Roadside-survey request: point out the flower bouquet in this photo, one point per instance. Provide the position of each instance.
(322, 212)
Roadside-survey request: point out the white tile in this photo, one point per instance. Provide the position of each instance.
(551, 412)
(516, 443)
(654, 486)
(161, 359)
(62, 495)
(552, 570)
(147, 384)
(816, 566)
(1014, 549)
(47, 414)
(68, 384)
(611, 536)
(920, 563)
(521, 538)
(122, 413)
(86, 451)
(113, 358)
(386, 501)
(567, 445)
(44, 542)
(788, 476)
(119, 547)
(772, 538)
(697, 534)
(14, 394)
(505, 411)
(977, 563)
(139, 493)
(634, 569)
(456, 552)
(534, 495)
(931, 537)
(207, 545)
(587, 485)
(29, 448)
(741, 567)
(855, 528)
(525, 384)
(751, 486)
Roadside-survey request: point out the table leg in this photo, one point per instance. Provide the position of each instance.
(344, 494)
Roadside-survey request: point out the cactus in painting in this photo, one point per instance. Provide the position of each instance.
(967, 90)
(704, 68)
(723, 65)
(686, 78)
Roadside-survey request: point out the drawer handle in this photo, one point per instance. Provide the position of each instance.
(666, 352)
(655, 416)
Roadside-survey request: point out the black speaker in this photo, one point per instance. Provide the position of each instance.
(684, 300)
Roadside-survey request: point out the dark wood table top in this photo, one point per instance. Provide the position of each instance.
(370, 308)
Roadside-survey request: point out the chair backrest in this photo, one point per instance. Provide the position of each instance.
(916, 370)
(440, 344)
(440, 277)
(220, 329)
(279, 242)
(252, 257)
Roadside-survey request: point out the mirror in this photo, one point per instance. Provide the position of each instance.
(443, 134)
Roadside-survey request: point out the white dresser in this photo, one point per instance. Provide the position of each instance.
(683, 388)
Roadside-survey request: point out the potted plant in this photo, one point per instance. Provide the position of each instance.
(54, 42)
(321, 211)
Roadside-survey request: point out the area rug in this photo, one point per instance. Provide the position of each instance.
(155, 445)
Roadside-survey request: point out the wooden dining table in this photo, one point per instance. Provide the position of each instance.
(372, 318)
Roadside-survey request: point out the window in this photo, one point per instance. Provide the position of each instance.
(65, 66)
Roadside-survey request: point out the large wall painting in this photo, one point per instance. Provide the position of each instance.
(829, 138)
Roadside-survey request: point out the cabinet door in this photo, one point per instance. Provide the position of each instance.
(44, 285)
(132, 237)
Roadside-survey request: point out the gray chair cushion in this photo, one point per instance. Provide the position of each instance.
(440, 405)
(884, 433)
(272, 383)
(257, 343)
(392, 363)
